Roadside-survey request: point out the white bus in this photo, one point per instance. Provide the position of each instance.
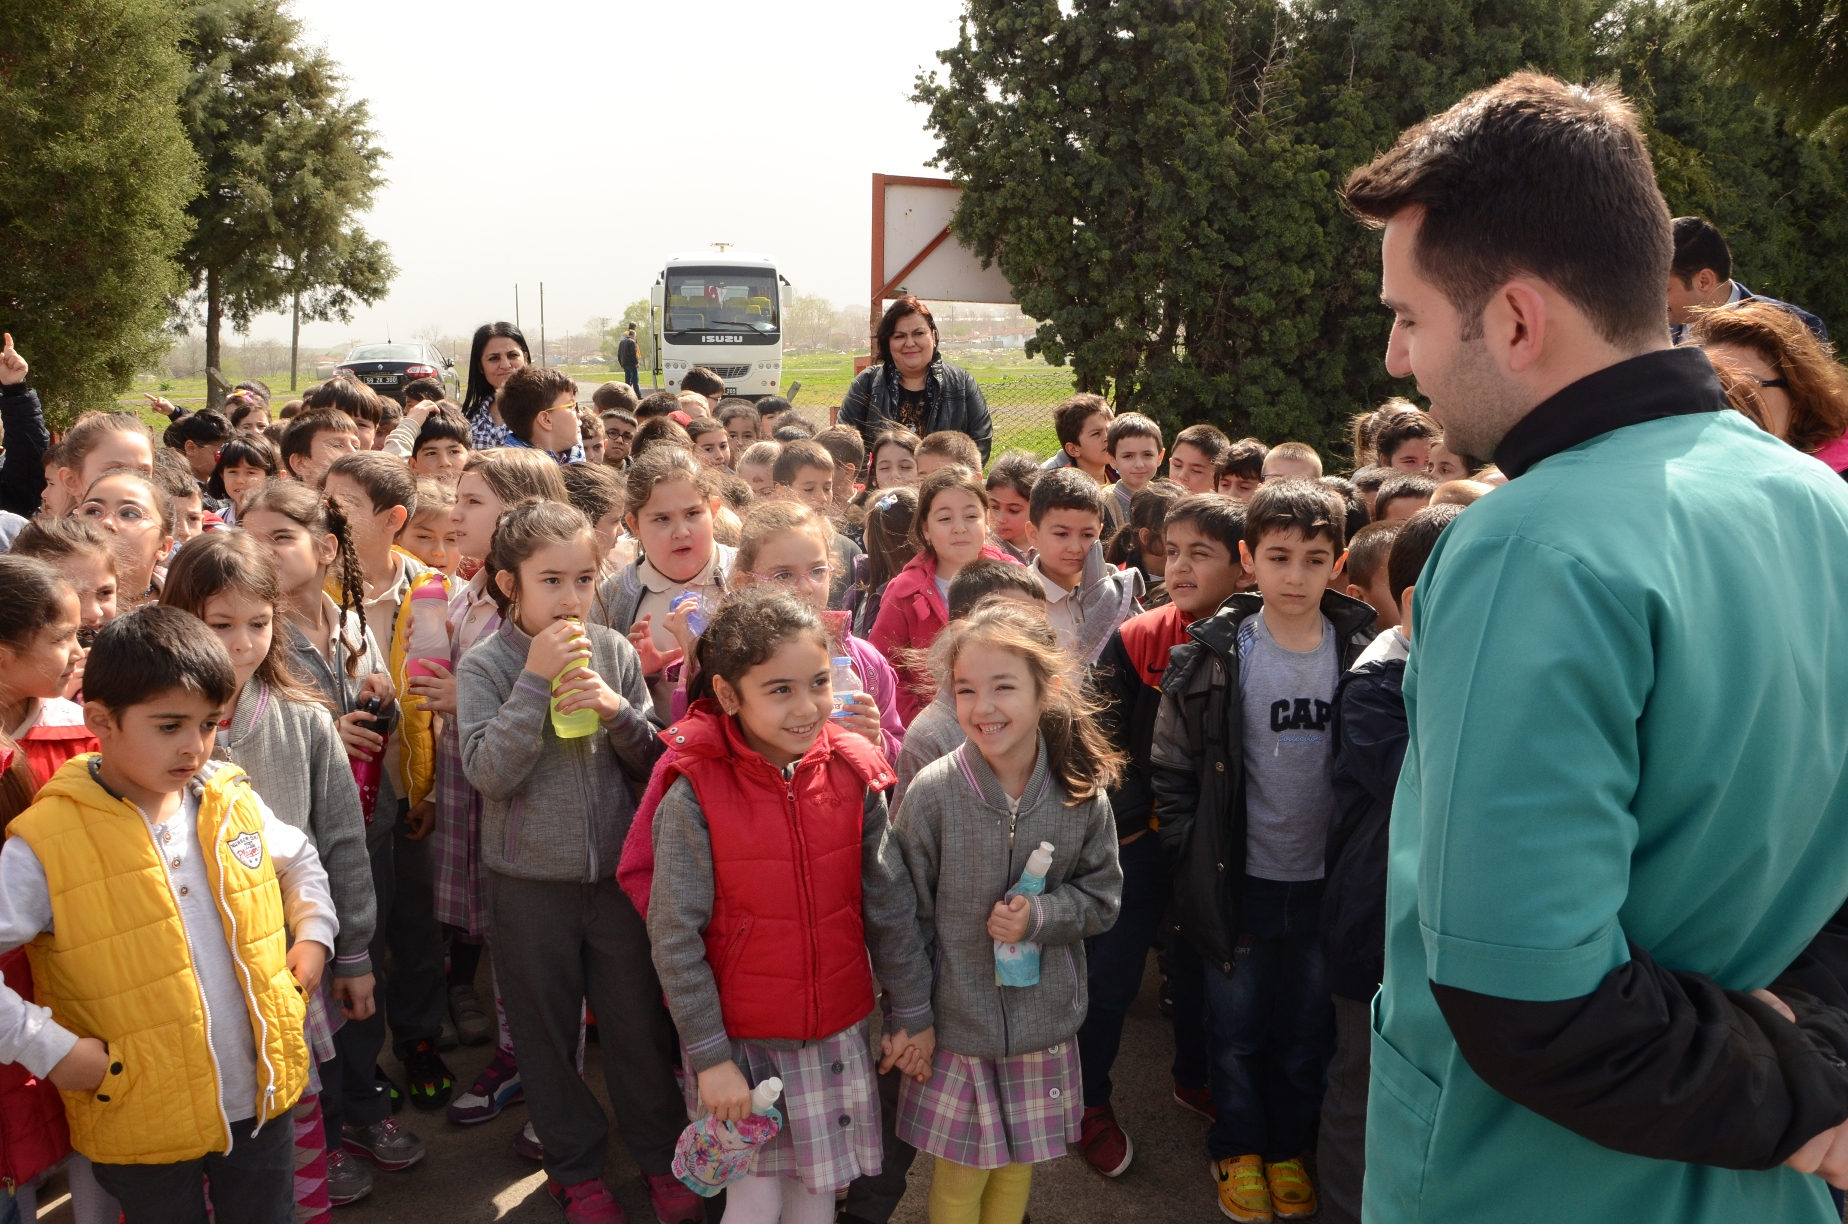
(722, 310)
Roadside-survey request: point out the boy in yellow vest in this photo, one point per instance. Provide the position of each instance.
(157, 896)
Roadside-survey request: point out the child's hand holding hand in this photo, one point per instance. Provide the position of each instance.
(654, 659)
(420, 821)
(83, 1069)
(861, 715)
(354, 994)
(559, 646)
(1009, 919)
(911, 1055)
(306, 960)
(724, 1093)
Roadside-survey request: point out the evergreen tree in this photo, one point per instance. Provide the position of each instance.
(1794, 52)
(98, 170)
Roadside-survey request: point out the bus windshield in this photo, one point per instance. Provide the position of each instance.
(729, 299)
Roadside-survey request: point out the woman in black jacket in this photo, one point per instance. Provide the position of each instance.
(910, 384)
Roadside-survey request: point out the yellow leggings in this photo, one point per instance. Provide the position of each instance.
(960, 1194)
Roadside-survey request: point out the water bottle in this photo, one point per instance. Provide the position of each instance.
(711, 1154)
(429, 635)
(696, 619)
(578, 723)
(368, 773)
(1017, 964)
(846, 683)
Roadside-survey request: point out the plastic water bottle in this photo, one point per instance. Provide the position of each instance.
(429, 636)
(366, 774)
(846, 683)
(578, 723)
(696, 619)
(712, 1154)
(1017, 964)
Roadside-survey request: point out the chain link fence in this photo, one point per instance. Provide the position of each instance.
(1021, 406)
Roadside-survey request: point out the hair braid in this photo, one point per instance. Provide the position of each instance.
(352, 581)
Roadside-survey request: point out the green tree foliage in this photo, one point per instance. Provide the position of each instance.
(289, 162)
(1159, 179)
(97, 173)
(637, 313)
(1794, 52)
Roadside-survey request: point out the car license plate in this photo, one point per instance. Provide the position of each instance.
(380, 380)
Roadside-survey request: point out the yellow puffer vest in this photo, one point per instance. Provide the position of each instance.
(117, 966)
(417, 764)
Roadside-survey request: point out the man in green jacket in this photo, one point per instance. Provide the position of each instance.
(1616, 979)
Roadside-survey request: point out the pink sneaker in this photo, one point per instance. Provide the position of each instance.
(588, 1202)
(673, 1202)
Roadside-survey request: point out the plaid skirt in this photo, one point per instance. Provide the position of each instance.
(989, 1112)
(830, 1108)
(324, 1020)
(460, 881)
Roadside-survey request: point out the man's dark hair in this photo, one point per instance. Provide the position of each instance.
(1069, 418)
(1214, 515)
(302, 430)
(1532, 176)
(658, 404)
(153, 650)
(1405, 484)
(1244, 459)
(1411, 548)
(1209, 441)
(1065, 489)
(1699, 244)
(845, 444)
(529, 391)
(797, 455)
(987, 576)
(1401, 428)
(702, 381)
(1357, 516)
(1304, 506)
(420, 389)
(1017, 470)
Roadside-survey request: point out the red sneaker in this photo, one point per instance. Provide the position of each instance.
(1103, 1142)
(1200, 1100)
(673, 1203)
(588, 1202)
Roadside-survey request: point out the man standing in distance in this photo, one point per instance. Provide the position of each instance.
(1620, 841)
(629, 357)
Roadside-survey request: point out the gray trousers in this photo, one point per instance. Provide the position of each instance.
(253, 1183)
(1341, 1147)
(556, 945)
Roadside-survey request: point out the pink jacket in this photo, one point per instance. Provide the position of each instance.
(911, 612)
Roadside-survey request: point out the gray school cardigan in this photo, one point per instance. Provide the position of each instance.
(551, 809)
(955, 831)
(297, 764)
(342, 692)
(933, 733)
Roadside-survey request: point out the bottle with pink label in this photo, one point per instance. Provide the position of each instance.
(429, 635)
(712, 1154)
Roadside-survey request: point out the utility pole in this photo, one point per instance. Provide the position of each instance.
(295, 338)
(516, 308)
(542, 354)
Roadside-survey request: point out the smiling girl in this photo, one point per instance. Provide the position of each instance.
(1003, 1091)
(245, 461)
(138, 515)
(950, 530)
(83, 556)
(38, 654)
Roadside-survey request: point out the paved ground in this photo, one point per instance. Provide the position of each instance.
(473, 1176)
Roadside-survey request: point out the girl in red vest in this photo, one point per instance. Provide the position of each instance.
(1003, 1091)
(77, 549)
(774, 879)
(33, 1136)
(39, 619)
(951, 530)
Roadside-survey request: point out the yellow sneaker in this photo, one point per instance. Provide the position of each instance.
(1243, 1194)
(1292, 1195)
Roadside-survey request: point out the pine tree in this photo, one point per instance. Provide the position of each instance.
(98, 170)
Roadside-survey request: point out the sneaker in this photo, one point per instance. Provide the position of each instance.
(497, 1087)
(348, 1181)
(673, 1203)
(527, 1144)
(1103, 1142)
(446, 1038)
(389, 1087)
(384, 1144)
(1200, 1100)
(1292, 1194)
(588, 1202)
(430, 1081)
(1243, 1193)
(473, 1023)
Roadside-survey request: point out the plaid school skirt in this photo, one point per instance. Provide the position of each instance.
(989, 1112)
(324, 1019)
(830, 1108)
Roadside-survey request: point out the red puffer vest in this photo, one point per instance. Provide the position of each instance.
(33, 1133)
(787, 940)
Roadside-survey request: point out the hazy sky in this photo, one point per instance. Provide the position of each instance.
(578, 142)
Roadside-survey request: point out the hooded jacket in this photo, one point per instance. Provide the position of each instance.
(1197, 766)
(911, 612)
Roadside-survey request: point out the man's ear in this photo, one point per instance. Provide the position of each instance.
(1514, 325)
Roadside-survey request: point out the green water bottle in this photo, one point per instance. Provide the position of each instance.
(578, 723)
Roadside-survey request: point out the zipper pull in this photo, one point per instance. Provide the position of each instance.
(269, 1094)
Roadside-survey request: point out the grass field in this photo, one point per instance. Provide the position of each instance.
(1020, 393)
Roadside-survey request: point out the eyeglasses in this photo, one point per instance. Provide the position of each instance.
(1773, 382)
(817, 576)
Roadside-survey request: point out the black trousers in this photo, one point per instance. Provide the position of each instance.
(253, 1183)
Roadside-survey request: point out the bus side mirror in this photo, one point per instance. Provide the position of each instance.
(655, 296)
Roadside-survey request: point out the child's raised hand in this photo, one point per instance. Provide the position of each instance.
(584, 689)
(306, 959)
(654, 659)
(677, 625)
(724, 1093)
(83, 1069)
(12, 366)
(1009, 919)
(861, 715)
(560, 645)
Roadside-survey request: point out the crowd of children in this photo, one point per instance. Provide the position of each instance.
(723, 732)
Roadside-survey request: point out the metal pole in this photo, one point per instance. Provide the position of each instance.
(543, 361)
(516, 309)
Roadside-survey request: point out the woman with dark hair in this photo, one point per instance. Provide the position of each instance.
(499, 349)
(1802, 389)
(909, 383)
